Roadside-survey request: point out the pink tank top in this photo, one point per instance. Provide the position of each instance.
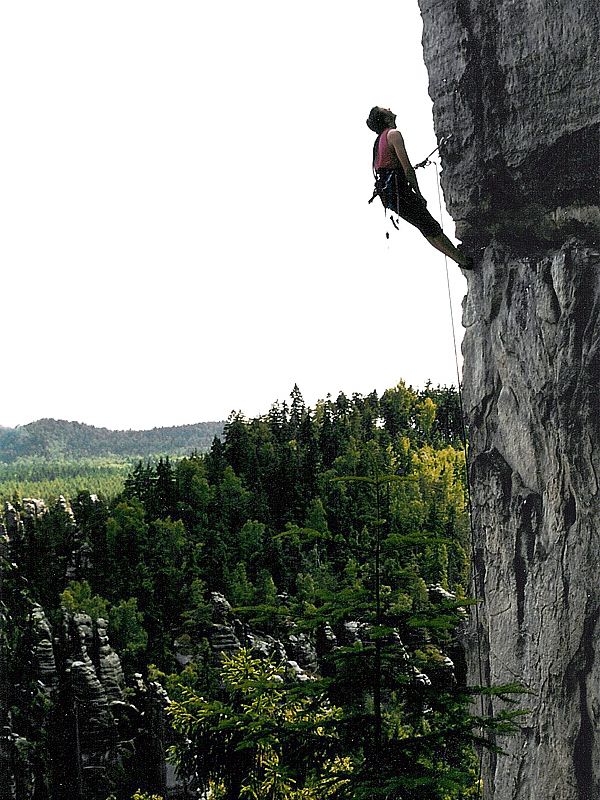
(386, 157)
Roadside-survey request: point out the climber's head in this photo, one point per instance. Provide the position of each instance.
(381, 118)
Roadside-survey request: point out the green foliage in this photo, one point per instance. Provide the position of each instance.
(77, 598)
(46, 552)
(249, 743)
(241, 591)
(56, 439)
(251, 540)
(197, 615)
(305, 519)
(126, 629)
(316, 517)
(127, 534)
(267, 591)
(35, 476)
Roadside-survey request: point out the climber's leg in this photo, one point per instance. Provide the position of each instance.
(442, 243)
(400, 199)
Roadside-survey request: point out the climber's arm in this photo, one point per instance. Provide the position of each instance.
(397, 142)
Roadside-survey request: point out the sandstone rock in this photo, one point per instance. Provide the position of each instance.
(302, 651)
(326, 640)
(352, 632)
(14, 526)
(264, 646)
(227, 634)
(62, 505)
(151, 700)
(437, 593)
(516, 84)
(91, 695)
(43, 649)
(220, 608)
(534, 438)
(108, 664)
(296, 672)
(184, 650)
(90, 698)
(85, 723)
(33, 507)
(223, 640)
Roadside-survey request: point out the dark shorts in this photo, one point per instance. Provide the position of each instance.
(398, 197)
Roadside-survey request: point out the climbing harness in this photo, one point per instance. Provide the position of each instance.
(398, 195)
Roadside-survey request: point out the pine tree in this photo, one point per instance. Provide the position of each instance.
(297, 409)
(164, 497)
(241, 591)
(258, 739)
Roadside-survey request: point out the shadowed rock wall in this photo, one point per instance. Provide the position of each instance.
(516, 84)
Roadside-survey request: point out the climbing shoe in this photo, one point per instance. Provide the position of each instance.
(469, 261)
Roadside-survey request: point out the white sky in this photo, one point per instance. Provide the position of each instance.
(183, 189)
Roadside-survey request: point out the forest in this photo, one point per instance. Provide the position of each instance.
(47, 478)
(58, 439)
(286, 608)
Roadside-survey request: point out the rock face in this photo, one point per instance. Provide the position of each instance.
(516, 84)
(68, 691)
(226, 635)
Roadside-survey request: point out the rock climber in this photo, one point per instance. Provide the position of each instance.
(397, 187)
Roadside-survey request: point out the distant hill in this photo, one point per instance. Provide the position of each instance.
(56, 438)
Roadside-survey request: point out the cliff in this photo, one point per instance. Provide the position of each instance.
(516, 84)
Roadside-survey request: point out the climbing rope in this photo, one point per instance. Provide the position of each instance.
(426, 163)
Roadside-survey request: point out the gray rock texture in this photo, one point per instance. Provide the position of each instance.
(33, 507)
(226, 635)
(516, 83)
(70, 686)
(42, 649)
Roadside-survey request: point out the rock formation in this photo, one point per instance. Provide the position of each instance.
(65, 724)
(516, 86)
(301, 657)
(226, 634)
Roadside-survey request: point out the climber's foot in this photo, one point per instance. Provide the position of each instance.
(466, 261)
